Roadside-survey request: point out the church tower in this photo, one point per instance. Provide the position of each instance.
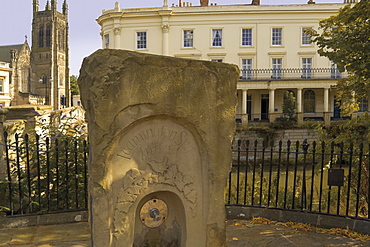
(50, 54)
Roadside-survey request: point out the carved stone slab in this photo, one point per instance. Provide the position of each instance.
(160, 128)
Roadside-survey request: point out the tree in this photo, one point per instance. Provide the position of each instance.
(289, 107)
(289, 117)
(345, 40)
(74, 86)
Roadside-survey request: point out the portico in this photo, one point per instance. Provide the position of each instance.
(314, 99)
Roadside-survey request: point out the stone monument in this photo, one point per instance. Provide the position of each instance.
(160, 131)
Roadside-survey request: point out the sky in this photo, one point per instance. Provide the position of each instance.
(84, 32)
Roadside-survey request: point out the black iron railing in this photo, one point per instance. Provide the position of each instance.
(50, 175)
(320, 178)
(291, 73)
(43, 175)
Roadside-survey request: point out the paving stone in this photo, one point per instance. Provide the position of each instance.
(20, 235)
(240, 233)
(63, 233)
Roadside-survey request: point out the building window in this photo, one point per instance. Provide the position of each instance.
(277, 34)
(217, 37)
(217, 60)
(106, 41)
(188, 38)
(247, 37)
(61, 40)
(141, 40)
(363, 105)
(41, 36)
(246, 69)
(249, 107)
(1, 85)
(309, 101)
(48, 35)
(25, 80)
(306, 68)
(334, 71)
(61, 80)
(306, 38)
(277, 66)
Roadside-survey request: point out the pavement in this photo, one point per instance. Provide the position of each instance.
(240, 233)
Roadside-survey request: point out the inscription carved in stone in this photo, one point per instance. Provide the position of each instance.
(161, 152)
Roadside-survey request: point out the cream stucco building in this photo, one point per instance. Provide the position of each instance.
(267, 42)
(4, 84)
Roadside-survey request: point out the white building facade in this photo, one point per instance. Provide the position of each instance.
(267, 42)
(4, 84)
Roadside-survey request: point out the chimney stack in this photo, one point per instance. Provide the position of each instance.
(255, 2)
(204, 3)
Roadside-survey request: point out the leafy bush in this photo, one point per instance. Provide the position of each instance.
(47, 165)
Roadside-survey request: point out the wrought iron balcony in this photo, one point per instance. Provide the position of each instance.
(291, 74)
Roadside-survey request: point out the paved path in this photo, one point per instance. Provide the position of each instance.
(246, 234)
(239, 234)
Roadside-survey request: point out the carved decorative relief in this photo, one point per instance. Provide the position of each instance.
(165, 28)
(135, 182)
(117, 31)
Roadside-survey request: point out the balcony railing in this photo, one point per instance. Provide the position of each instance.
(291, 74)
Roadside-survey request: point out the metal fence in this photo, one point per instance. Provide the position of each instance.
(320, 178)
(50, 175)
(43, 175)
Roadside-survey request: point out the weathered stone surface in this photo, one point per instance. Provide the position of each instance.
(160, 127)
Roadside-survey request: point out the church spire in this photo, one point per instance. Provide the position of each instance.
(47, 7)
(65, 7)
(53, 5)
(35, 6)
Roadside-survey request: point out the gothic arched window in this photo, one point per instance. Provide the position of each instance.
(63, 40)
(59, 40)
(41, 36)
(309, 101)
(48, 35)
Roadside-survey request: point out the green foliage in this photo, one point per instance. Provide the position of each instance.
(75, 90)
(289, 106)
(356, 131)
(47, 165)
(345, 39)
(289, 118)
(340, 137)
(267, 134)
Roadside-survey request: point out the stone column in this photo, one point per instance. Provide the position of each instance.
(299, 105)
(244, 106)
(102, 40)
(326, 107)
(165, 14)
(272, 114)
(117, 38)
(165, 39)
